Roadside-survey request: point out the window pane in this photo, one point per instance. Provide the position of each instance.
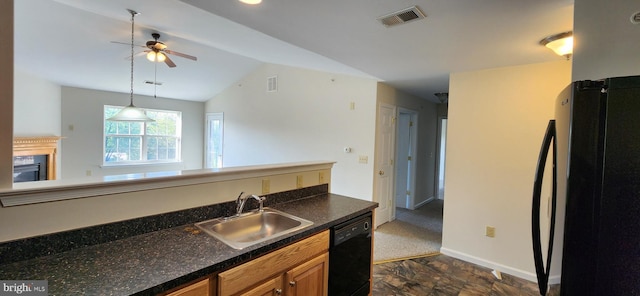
(118, 149)
(165, 124)
(124, 141)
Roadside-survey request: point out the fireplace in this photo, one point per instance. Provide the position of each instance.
(34, 158)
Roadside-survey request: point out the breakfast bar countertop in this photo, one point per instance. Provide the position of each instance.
(157, 261)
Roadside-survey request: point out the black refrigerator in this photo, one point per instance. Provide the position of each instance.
(594, 142)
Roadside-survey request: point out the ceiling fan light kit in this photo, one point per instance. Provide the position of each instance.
(131, 112)
(156, 56)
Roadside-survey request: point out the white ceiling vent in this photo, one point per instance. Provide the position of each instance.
(272, 84)
(402, 16)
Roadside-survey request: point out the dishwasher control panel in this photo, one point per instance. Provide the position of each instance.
(351, 229)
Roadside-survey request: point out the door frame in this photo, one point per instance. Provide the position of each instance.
(440, 150)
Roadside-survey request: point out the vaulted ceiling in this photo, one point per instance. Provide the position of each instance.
(70, 41)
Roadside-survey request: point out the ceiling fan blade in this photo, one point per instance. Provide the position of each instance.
(118, 42)
(186, 56)
(137, 54)
(169, 62)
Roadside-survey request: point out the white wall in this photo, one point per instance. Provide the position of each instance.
(427, 134)
(606, 42)
(497, 119)
(37, 106)
(82, 125)
(308, 118)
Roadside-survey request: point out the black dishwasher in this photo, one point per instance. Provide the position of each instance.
(350, 257)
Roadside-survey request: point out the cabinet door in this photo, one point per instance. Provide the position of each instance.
(200, 288)
(272, 287)
(310, 278)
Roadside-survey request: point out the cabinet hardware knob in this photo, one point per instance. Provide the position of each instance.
(292, 283)
(278, 291)
(381, 172)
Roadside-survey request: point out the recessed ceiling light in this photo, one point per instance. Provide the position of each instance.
(251, 2)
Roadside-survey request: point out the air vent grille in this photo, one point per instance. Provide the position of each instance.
(635, 18)
(403, 16)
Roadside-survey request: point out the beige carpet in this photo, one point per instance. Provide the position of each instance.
(413, 234)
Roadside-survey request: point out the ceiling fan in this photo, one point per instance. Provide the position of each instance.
(157, 51)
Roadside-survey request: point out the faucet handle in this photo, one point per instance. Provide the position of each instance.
(239, 196)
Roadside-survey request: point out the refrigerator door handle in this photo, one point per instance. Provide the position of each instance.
(542, 271)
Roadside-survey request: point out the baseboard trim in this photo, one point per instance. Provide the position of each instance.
(496, 266)
(424, 202)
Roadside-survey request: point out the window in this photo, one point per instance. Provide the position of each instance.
(213, 137)
(142, 142)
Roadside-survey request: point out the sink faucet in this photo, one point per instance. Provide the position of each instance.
(242, 200)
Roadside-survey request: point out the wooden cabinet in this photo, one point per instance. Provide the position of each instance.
(272, 287)
(301, 268)
(200, 288)
(309, 278)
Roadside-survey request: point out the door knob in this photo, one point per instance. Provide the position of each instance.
(381, 172)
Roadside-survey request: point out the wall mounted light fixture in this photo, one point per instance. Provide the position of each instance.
(561, 44)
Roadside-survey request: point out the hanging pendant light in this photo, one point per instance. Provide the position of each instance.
(131, 112)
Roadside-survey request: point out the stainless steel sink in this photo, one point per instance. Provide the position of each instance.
(251, 228)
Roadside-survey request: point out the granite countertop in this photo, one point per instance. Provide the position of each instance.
(154, 262)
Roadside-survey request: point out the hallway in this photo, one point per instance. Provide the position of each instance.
(414, 233)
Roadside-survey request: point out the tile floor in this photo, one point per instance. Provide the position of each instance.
(443, 275)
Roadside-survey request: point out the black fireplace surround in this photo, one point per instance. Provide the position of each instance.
(29, 168)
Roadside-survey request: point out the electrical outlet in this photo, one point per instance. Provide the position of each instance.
(266, 186)
(490, 231)
(299, 182)
(321, 178)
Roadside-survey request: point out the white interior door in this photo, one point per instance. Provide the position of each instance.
(385, 152)
(403, 158)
